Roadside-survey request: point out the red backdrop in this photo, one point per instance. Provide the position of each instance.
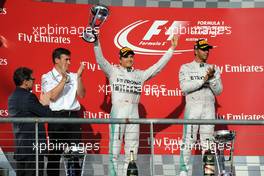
(236, 34)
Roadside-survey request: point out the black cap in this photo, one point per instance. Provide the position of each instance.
(125, 51)
(202, 44)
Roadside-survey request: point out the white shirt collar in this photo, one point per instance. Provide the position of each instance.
(55, 72)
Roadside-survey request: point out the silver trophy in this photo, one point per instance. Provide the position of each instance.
(224, 137)
(98, 14)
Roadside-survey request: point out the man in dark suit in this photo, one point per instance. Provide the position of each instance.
(22, 103)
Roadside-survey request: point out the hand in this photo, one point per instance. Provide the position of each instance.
(63, 72)
(44, 99)
(174, 41)
(96, 43)
(210, 73)
(65, 77)
(3, 42)
(80, 70)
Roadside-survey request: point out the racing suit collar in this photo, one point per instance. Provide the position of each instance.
(127, 69)
(199, 64)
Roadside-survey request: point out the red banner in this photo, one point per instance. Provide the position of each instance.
(31, 30)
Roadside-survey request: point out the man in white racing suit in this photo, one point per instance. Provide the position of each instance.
(126, 85)
(200, 83)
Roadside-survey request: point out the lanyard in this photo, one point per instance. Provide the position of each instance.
(54, 78)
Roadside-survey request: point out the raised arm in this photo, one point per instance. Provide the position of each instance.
(157, 67)
(103, 63)
(80, 87)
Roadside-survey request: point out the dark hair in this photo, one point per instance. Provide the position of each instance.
(58, 52)
(21, 74)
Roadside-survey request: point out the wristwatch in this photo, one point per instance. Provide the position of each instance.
(67, 78)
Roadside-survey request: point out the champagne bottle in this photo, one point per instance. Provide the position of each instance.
(209, 161)
(132, 169)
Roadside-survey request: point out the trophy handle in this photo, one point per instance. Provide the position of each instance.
(94, 19)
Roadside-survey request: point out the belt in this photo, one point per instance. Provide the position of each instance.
(125, 101)
(65, 112)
